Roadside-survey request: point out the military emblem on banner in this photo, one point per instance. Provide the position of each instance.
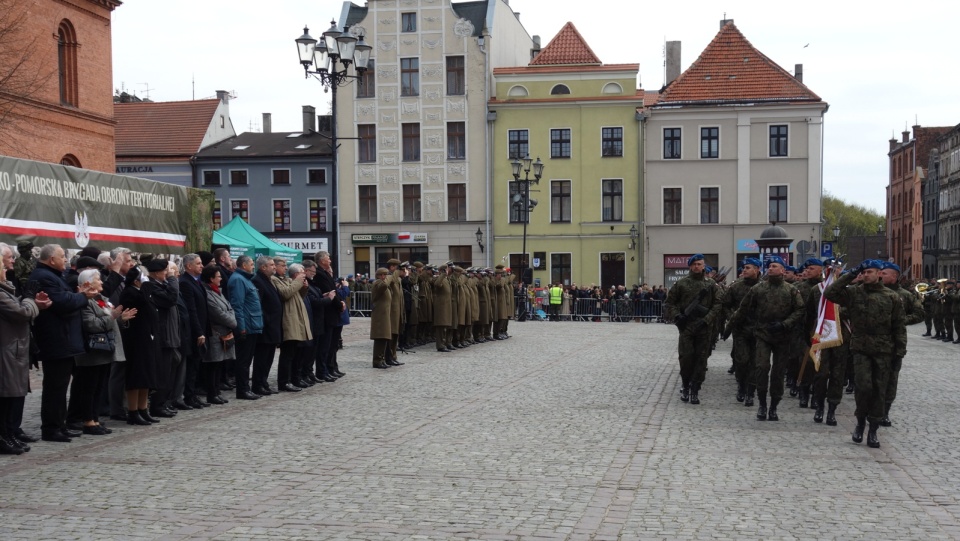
(80, 231)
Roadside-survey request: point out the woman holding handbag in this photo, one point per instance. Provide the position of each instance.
(103, 344)
(222, 323)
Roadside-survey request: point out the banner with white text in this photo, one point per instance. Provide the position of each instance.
(49, 203)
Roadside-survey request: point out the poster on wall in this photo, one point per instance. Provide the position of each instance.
(675, 266)
(47, 203)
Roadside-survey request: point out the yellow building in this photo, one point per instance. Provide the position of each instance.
(584, 121)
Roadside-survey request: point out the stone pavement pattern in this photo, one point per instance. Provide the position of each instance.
(565, 431)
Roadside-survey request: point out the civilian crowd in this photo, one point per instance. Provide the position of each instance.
(141, 340)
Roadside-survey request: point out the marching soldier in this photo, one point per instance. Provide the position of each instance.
(912, 314)
(693, 304)
(928, 302)
(381, 328)
(878, 336)
(834, 369)
(810, 293)
(949, 302)
(778, 309)
(744, 342)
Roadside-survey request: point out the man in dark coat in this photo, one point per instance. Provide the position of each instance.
(195, 297)
(272, 309)
(59, 335)
(163, 288)
(328, 344)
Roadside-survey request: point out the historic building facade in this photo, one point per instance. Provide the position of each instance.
(56, 78)
(416, 183)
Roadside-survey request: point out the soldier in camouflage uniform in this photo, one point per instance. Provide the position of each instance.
(693, 303)
(937, 313)
(953, 295)
(913, 314)
(829, 379)
(878, 337)
(24, 265)
(928, 302)
(809, 289)
(949, 304)
(777, 308)
(744, 342)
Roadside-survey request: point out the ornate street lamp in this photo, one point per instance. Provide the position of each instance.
(634, 236)
(521, 200)
(480, 239)
(341, 48)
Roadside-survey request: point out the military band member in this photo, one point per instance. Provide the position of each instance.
(948, 302)
(693, 303)
(953, 300)
(878, 335)
(912, 314)
(928, 302)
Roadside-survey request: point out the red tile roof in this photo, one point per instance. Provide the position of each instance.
(731, 70)
(173, 128)
(567, 47)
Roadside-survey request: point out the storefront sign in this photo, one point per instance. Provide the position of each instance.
(307, 245)
(389, 238)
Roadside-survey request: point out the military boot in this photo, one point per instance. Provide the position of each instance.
(857, 435)
(695, 394)
(685, 393)
(926, 333)
(832, 415)
(818, 415)
(762, 410)
(804, 396)
(792, 385)
(748, 400)
(772, 414)
(732, 368)
(740, 392)
(872, 440)
(886, 416)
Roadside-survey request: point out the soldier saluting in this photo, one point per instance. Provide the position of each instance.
(878, 335)
(694, 304)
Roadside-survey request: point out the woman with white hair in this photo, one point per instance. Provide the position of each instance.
(103, 344)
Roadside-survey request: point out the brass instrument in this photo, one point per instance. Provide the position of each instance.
(924, 289)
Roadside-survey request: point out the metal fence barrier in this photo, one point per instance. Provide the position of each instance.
(615, 310)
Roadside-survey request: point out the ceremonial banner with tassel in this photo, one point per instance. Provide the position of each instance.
(827, 333)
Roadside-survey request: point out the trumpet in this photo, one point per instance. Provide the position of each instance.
(924, 289)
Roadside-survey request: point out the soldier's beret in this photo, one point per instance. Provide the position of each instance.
(873, 264)
(418, 264)
(752, 261)
(813, 261)
(894, 266)
(775, 259)
(693, 258)
(708, 269)
(790, 268)
(393, 262)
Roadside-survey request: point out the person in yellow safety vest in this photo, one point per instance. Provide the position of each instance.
(556, 298)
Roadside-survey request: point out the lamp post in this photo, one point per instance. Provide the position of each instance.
(883, 240)
(836, 239)
(634, 236)
(522, 201)
(480, 239)
(335, 47)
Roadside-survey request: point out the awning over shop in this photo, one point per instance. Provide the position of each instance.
(240, 231)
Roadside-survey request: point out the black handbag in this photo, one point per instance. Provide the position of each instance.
(101, 342)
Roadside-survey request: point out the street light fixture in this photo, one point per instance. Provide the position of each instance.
(521, 200)
(634, 236)
(345, 48)
(480, 239)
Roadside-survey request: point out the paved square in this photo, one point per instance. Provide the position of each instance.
(565, 431)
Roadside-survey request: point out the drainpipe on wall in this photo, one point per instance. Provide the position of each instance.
(641, 187)
(484, 48)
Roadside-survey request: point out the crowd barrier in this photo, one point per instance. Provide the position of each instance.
(614, 310)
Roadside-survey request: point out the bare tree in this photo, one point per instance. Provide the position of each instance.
(23, 75)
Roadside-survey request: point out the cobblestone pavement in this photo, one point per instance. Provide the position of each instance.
(565, 431)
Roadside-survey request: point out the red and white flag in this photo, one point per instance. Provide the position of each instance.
(827, 333)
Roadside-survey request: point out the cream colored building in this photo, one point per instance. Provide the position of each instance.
(732, 144)
(415, 185)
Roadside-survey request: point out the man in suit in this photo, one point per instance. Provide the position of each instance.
(272, 309)
(195, 297)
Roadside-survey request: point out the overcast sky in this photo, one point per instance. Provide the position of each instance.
(879, 69)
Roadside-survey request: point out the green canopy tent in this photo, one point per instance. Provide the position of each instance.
(237, 248)
(240, 231)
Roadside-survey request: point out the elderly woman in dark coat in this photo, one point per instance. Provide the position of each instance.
(15, 317)
(141, 346)
(99, 318)
(222, 321)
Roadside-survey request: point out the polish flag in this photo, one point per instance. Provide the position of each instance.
(403, 236)
(827, 333)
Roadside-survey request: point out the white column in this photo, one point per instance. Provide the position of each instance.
(814, 179)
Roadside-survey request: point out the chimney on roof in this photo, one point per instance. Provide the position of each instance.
(536, 47)
(723, 22)
(267, 123)
(223, 96)
(309, 116)
(325, 123)
(906, 135)
(798, 72)
(672, 62)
